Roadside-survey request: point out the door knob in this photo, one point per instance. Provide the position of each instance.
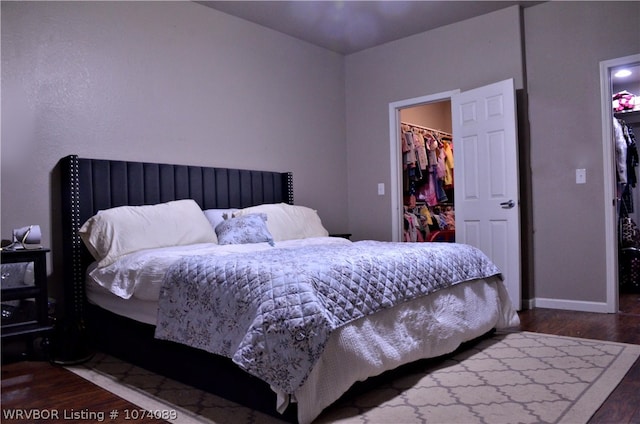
(508, 205)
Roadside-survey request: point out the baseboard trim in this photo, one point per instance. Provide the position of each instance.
(569, 305)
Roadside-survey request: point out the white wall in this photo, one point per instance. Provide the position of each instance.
(172, 82)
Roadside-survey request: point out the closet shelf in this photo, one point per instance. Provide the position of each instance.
(629, 117)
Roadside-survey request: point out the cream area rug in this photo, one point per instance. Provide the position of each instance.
(509, 377)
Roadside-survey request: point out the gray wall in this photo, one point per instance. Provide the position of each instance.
(172, 82)
(565, 42)
(177, 82)
(465, 55)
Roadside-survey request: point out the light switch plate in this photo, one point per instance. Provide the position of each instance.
(581, 176)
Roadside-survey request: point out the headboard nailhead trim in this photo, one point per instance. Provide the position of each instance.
(290, 187)
(77, 283)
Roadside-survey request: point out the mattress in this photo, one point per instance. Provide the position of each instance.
(145, 311)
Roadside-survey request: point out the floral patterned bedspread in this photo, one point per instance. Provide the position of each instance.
(273, 311)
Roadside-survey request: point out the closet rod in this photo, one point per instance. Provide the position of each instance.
(427, 128)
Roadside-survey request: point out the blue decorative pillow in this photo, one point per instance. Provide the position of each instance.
(250, 228)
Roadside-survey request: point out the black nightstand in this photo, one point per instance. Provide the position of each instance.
(24, 297)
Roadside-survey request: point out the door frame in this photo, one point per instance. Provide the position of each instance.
(396, 155)
(608, 162)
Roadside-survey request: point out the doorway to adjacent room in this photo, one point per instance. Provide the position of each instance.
(613, 196)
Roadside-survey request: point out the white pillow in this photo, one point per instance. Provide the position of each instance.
(115, 232)
(289, 222)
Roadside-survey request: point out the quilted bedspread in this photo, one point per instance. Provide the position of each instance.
(273, 311)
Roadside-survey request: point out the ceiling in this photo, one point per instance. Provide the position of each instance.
(627, 82)
(350, 26)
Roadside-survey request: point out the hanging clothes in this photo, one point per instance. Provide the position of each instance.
(632, 154)
(626, 152)
(448, 162)
(621, 151)
(421, 150)
(427, 181)
(414, 230)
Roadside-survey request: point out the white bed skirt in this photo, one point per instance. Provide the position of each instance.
(422, 328)
(394, 337)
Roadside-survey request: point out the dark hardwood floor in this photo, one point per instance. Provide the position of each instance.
(36, 391)
(40, 385)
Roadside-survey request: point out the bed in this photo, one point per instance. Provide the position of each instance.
(174, 309)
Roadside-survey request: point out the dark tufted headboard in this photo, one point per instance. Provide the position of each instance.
(90, 185)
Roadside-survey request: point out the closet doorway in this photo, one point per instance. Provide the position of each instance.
(487, 201)
(427, 172)
(610, 85)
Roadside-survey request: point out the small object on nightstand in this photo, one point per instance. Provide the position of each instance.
(343, 235)
(25, 302)
(25, 238)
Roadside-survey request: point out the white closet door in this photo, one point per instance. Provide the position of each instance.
(486, 177)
